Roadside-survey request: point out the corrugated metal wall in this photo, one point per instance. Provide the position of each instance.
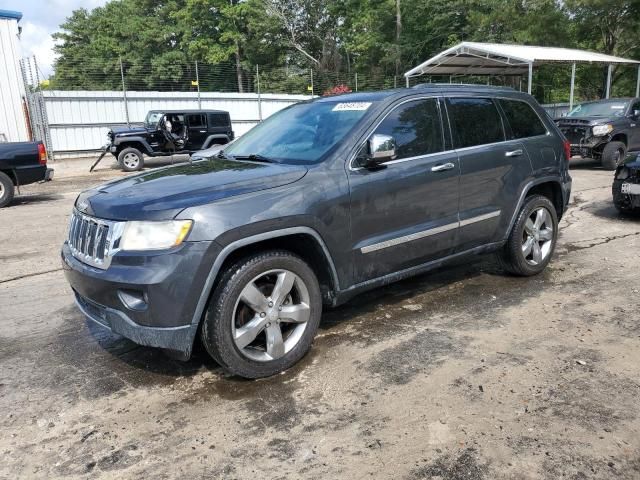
(79, 120)
(13, 124)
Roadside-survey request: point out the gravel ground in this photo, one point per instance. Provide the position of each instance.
(465, 373)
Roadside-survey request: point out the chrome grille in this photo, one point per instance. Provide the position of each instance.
(91, 239)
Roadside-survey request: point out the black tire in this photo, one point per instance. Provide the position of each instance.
(511, 258)
(224, 312)
(130, 159)
(7, 190)
(612, 154)
(621, 201)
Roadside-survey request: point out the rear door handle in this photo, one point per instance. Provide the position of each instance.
(443, 167)
(514, 153)
(203, 131)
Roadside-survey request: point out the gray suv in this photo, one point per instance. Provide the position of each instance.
(322, 201)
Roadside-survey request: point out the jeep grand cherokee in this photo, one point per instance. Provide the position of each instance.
(323, 200)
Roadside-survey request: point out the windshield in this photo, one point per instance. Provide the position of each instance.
(613, 108)
(301, 134)
(152, 119)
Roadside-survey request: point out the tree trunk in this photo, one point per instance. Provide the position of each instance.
(398, 32)
(239, 74)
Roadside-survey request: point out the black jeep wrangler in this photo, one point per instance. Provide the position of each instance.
(169, 132)
(604, 130)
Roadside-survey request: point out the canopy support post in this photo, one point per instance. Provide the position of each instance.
(407, 79)
(529, 86)
(638, 83)
(573, 84)
(608, 94)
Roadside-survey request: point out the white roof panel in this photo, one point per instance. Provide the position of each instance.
(472, 58)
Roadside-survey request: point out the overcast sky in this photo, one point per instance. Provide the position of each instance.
(40, 19)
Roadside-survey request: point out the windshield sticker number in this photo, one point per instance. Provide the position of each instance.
(351, 106)
(617, 107)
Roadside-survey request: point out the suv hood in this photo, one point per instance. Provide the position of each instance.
(587, 121)
(161, 194)
(128, 131)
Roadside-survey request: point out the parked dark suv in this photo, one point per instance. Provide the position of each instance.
(604, 130)
(169, 132)
(323, 200)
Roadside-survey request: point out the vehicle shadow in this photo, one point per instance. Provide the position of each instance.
(585, 164)
(365, 305)
(34, 198)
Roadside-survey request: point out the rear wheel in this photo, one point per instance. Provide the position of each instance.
(613, 154)
(130, 159)
(533, 238)
(263, 315)
(6, 190)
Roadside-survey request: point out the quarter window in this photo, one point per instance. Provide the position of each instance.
(475, 121)
(416, 127)
(523, 120)
(218, 119)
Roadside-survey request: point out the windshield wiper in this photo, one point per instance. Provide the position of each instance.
(255, 157)
(223, 155)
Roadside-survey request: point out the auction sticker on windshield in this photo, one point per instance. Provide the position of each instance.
(351, 106)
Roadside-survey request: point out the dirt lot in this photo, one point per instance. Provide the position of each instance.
(462, 374)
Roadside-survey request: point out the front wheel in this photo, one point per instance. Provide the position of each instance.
(612, 154)
(130, 159)
(533, 238)
(263, 315)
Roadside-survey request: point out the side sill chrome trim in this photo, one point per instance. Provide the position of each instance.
(479, 218)
(409, 238)
(427, 233)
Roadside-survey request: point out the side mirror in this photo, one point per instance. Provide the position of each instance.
(381, 148)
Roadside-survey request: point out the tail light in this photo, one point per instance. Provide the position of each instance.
(42, 154)
(567, 149)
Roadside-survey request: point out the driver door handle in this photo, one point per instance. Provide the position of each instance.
(442, 167)
(514, 153)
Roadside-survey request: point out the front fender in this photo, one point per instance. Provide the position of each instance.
(117, 142)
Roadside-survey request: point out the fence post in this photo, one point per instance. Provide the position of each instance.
(259, 98)
(356, 81)
(311, 70)
(198, 85)
(42, 113)
(124, 94)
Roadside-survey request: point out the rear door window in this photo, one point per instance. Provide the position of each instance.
(196, 120)
(416, 127)
(475, 121)
(523, 120)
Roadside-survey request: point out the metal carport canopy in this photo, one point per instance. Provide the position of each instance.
(472, 58)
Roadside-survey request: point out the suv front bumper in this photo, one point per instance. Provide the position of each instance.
(148, 298)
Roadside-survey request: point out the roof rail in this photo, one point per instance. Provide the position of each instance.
(461, 85)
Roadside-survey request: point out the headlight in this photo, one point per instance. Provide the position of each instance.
(154, 235)
(601, 130)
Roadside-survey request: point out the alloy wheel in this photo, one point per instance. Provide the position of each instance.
(131, 160)
(537, 237)
(270, 315)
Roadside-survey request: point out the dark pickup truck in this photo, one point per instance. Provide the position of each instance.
(21, 163)
(604, 130)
